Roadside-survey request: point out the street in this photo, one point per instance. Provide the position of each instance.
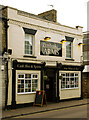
(71, 112)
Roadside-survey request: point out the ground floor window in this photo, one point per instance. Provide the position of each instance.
(27, 83)
(70, 80)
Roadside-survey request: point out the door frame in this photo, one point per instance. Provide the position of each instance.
(55, 82)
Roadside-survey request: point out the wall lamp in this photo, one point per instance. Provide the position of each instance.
(47, 38)
(80, 44)
(63, 41)
(6, 55)
(9, 51)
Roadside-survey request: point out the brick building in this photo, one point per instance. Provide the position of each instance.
(3, 61)
(86, 63)
(41, 55)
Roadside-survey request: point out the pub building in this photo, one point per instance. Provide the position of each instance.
(44, 55)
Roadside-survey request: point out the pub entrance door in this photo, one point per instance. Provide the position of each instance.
(50, 85)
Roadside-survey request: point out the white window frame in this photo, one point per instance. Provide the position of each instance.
(69, 80)
(27, 79)
(33, 38)
(71, 49)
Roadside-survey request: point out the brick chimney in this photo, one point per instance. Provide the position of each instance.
(49, 15)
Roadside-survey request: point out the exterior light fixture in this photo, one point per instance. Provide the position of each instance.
(9, 51)
(63, 41)
(47, 38)
(80, 44)
(6, 55)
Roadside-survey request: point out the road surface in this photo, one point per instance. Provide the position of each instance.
(71, 112)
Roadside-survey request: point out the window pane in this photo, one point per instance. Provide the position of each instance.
(26, 51)
(34, 81)
(71, 74)
(67, 81)
(67, 74)
(35, 76)
(76, 74)
(70, 80)
(68, 44)
(63, 80)
(72, 86)
(76, 82)
(63, 74)
(68, 49)
(22, 90)
(30, 52)
(20, 85)
(28, 44)
(63, 85)
(27, 75)
(34, 85)
(27, 47)
(30, 48)
(27, 85)
(27, 36)
(67, 86)
(20, 76)
(68, 55)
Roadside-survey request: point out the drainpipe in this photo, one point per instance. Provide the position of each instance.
(6, 95)
(82, 68)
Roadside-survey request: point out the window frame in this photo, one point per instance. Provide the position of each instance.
(33, 41)
(29, 80)
(71, 49)
(70, 80)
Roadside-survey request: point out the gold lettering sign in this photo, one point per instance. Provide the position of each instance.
(50, 48)
(28, 66)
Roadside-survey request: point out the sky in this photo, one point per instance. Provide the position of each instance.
(69, 12)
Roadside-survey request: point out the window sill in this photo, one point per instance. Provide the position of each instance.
(69, 88)
(69, 59)
(26, 93)
(29, 56)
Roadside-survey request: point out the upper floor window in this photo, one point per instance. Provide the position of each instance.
(29, 41)
(69, 47)
(28, 46)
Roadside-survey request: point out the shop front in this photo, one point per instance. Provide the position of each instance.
(70, 86)
(62, 82)
(26, 79)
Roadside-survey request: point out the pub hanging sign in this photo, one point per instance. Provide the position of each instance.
(50, 48)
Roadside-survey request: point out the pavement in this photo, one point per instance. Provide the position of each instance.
(37, 109)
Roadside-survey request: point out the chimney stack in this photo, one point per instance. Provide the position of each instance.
(49, 15)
